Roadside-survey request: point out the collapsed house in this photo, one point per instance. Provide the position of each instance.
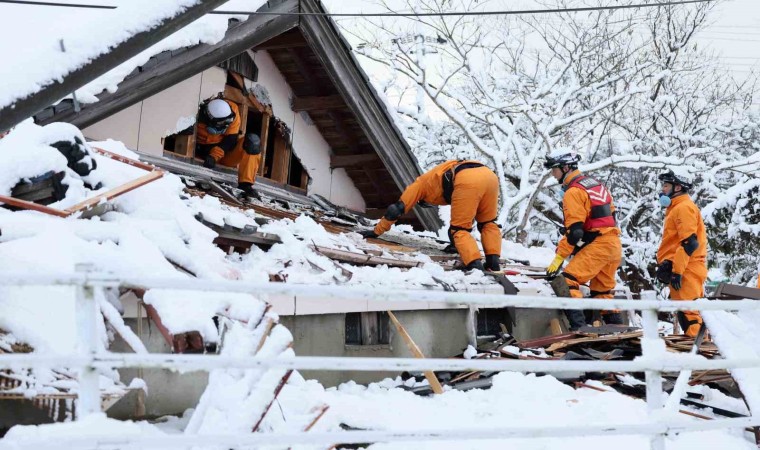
(333, 159)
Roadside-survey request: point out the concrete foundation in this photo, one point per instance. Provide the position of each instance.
(168, 392)
(438, 333)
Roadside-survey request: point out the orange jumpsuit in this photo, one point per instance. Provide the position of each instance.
(682, 219)
(596, 262)
(475, 198)
(247, 164)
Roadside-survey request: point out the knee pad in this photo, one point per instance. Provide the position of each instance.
(482, 225)
(252, 144)
(454, 230)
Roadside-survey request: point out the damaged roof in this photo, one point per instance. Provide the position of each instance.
(327, 82)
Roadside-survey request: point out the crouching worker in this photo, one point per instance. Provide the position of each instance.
(682, 255)
(472, 190)
(590, 235)
(218, 141)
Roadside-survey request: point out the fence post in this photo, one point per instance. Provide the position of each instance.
(653, 377)
(87, 311)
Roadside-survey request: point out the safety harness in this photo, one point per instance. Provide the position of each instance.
(601, 215)
(448, 178)
(601, 202)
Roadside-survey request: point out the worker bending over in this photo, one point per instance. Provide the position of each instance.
(218, 141)
(472, 190)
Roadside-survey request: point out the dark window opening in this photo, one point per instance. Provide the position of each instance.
(491, 320)
(298, 176)
(278, 162)
(368, 328)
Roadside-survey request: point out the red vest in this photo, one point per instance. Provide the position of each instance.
(601, 202)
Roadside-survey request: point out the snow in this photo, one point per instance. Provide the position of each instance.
(76, 27)
(735, 334)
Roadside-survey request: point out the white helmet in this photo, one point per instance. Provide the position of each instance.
(218, 109)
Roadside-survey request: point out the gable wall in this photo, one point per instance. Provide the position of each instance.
(142, 125)
(308, 144)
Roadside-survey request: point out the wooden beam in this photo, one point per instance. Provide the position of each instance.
(239, 38)
(23, 204)
(281, 161)
(304, 70)
(352, 160)
(69, 79)
(429, 374)
(264, 139)
(115, 192)
(322, 103)
(290, 39)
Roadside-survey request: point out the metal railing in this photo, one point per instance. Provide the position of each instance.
(653, 362)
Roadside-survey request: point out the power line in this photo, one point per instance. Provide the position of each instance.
(391, 14)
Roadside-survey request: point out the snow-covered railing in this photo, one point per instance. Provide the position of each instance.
(653, 362)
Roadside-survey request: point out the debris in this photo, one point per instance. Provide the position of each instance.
(429, 375)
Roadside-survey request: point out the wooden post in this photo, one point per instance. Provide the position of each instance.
(281, 160)
(429, 374)
(264, 139)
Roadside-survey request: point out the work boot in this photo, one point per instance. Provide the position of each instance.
(209, 162)
(613, 318)
(492, 263)
(575, 318)
(477, 264)
(248, 191)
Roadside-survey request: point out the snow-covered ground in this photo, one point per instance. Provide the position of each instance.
(154, 227)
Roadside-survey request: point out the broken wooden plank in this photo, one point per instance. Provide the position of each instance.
(360, 258)
(23, 204)
(124, 159)
(277, 390)
(117, 191)
(429, 374)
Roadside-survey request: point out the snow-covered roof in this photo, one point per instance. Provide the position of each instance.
(44, 60)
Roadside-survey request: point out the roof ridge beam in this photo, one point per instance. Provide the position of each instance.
(21, 109)
(239, 38)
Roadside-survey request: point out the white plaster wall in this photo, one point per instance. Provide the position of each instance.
(142, 125)
(308, 144)
(122, 126)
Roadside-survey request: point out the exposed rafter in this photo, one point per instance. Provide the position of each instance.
(337, 161)
(321, 103)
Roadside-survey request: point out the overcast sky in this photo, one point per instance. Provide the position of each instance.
(734, 31)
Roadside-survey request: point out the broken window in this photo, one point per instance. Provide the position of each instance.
(278, 162)
(493, 321)
(368, 328)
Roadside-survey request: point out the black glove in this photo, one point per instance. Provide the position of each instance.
(664, 270)
(675, 281)
(368, 234)
(209, 162)
(450, 249)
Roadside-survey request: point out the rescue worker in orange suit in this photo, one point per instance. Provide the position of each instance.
(218, 141)
(472, 190)
(590, 235)
(682, 255)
